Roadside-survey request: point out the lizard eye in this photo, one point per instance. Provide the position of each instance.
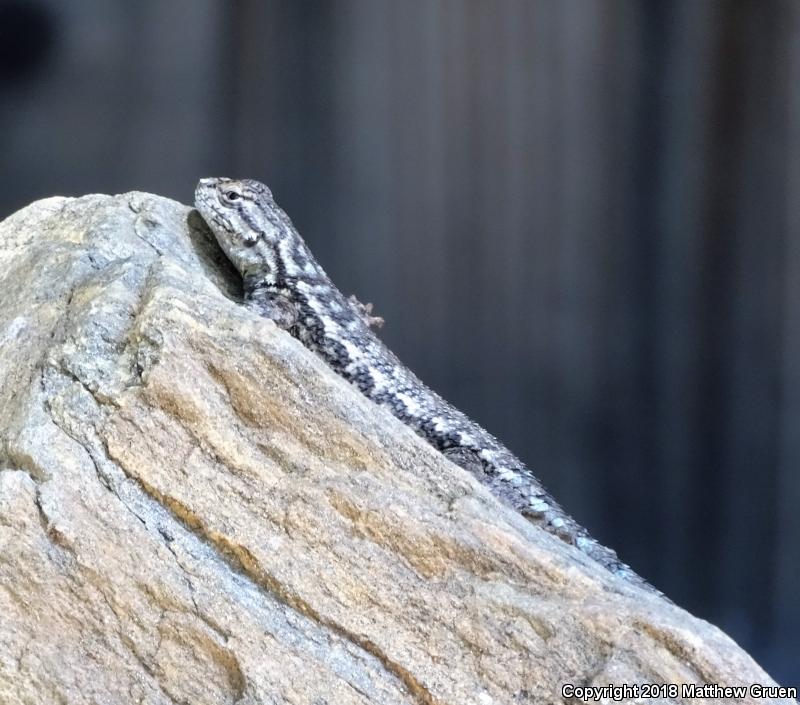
(231, 196)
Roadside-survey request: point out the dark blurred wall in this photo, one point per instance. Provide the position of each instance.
(580, 218)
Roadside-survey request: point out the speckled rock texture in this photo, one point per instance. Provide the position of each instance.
(194, 509)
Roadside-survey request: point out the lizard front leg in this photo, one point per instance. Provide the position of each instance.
(268, 303)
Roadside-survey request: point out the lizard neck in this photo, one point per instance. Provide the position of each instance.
(294, 269)
(292, 263)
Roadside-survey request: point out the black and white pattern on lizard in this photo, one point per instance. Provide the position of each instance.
(284, 282)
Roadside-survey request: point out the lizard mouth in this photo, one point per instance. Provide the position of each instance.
(207, 203)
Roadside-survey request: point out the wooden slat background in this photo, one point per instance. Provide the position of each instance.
(580, 218)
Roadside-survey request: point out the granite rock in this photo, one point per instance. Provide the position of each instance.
(194, 509)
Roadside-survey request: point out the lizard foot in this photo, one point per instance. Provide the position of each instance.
(365, 311)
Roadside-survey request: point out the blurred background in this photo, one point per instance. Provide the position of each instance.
(580, 219)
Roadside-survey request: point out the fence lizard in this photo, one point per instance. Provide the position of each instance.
(283, 282)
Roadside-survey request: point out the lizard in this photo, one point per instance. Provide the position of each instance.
(283, 281)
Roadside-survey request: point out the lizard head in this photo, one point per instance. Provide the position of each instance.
(245, 220)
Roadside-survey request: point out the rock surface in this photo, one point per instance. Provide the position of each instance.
(194, 509)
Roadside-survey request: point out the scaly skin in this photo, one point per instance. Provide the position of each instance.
(283, 281)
